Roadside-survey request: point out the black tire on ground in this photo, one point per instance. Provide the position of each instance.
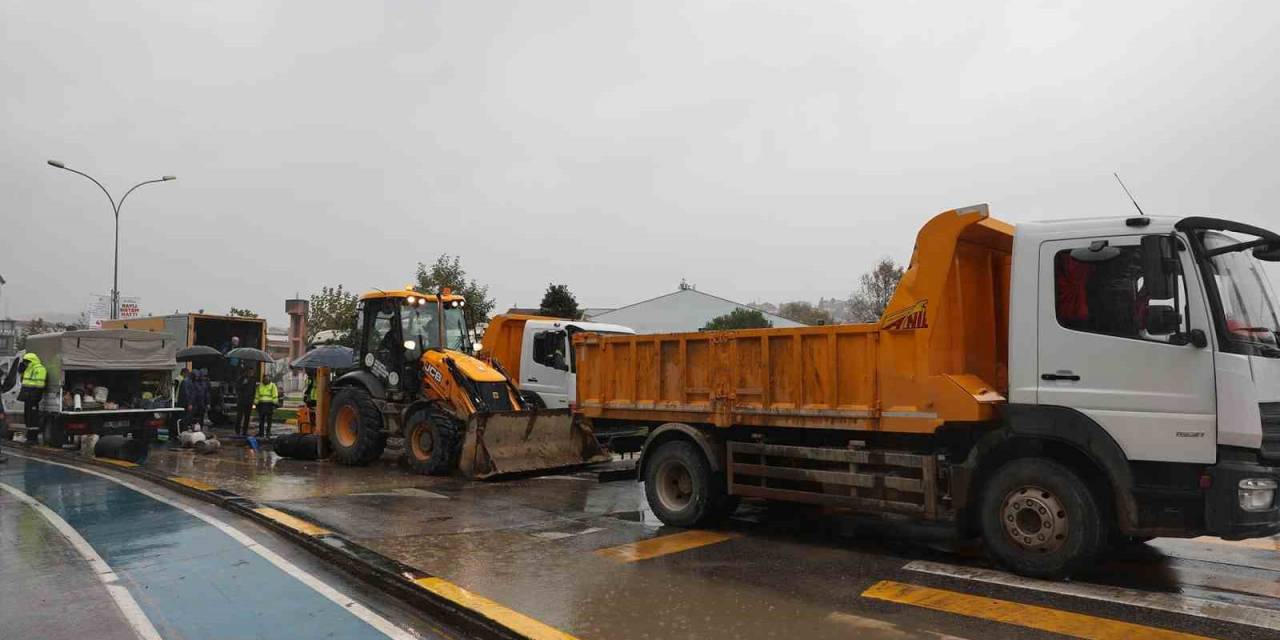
(432, 441)
(1039, 519)
(355, 428)
(681, 488)
(532, 400)
(299, 446)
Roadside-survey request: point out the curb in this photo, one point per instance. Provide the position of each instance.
(472, 614)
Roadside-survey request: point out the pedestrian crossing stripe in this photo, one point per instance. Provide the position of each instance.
(1075, 625)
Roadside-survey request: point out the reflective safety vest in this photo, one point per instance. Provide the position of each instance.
(311, 394)
(34, 375)
(267, 393)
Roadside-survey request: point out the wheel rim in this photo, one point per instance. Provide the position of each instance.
(1035, 519)
(674, 485)
(346, 425)
(421, 442)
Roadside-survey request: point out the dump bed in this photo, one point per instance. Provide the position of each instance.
(939, 353)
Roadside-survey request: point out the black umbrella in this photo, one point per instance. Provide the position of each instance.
(198, 351)
(249, 354)
(329, 356)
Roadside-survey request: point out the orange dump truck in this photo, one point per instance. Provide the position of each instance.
(1091, 433)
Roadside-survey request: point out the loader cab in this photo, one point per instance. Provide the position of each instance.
(396, 328)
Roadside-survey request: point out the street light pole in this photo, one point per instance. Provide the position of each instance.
(115, 209)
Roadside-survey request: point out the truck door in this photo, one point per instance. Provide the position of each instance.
(545, 364)
(1152, 391)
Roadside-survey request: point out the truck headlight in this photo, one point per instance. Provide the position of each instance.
(1257, 494)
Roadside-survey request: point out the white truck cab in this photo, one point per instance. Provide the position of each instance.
(1181, 368)
(547, 367)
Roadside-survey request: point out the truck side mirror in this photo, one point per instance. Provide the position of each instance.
(1159, 267)
(1163, 320)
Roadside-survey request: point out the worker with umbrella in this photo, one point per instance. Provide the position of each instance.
(266, 394)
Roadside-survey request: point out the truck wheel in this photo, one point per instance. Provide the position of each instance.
(681, 488)
(1039, 519)
(431, 443)
(532, 400)
(355, 430)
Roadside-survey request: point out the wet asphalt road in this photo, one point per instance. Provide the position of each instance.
(93, 554)
(588, 558)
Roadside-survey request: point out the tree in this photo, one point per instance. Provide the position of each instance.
(875, 289)
(34, 328)
(333, 309)
(447, 271)
(558, 302)
(740, 318)
(805, 313)
(241, 313)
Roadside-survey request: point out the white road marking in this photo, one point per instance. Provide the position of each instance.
(562, 477)
(356, 609)
(407, 492)
(561, 535)
(884, 629)
(1215, 551)
(1198, 607)
(128, 606)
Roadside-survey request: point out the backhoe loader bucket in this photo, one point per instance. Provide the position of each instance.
(508, 442)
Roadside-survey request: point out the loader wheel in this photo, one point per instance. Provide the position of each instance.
(355, 430)
(431, 443)
(681, 488)
(1039, 519)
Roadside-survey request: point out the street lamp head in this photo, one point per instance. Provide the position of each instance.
(169, 178)
(57, 163)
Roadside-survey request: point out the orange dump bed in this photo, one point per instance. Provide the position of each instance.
(938, 354)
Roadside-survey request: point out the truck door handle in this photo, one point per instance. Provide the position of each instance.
(531, 380)
(1060, 376)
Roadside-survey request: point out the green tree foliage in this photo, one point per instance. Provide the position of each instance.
(805, 313)
(558, 302)
(34, 328)
(447, 271)
(875, 289)
(241, 313)
(740, 318)
(333, 309)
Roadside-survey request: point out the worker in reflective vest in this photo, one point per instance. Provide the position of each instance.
(34, 378)
(266, 397)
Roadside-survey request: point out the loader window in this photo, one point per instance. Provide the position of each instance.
(1106, 296)
(380, 339)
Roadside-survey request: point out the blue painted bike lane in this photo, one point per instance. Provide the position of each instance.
(190, 578)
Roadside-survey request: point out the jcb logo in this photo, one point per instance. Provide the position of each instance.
(435, 374)
(913, 317)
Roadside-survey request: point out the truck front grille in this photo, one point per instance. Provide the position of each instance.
(1270, 431)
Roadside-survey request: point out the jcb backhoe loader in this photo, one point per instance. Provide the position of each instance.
(415, 378)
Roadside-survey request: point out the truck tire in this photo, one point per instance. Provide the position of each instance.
(355, 430)
(681, 488)
(532, 400)
(431, 443)
(1039, 519)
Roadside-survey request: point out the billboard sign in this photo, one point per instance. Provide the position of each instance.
(99, 309)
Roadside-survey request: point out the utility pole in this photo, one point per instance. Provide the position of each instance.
(115, 209)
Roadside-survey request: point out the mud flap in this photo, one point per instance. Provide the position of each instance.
(508, 442)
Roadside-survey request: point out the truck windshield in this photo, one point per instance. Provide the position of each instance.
(1248, 301)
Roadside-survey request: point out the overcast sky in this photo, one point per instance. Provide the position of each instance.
(764, 151)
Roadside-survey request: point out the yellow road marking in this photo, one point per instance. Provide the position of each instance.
(514, 620)
(297, 524)
(1076, 625)
(118, 463)
(663, 545)
(193, 483)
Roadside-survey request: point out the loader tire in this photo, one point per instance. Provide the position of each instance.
(681, 488)
(431, 443)
(355, 430)
(1040, 519)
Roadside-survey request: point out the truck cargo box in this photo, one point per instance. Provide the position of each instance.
(938, 353)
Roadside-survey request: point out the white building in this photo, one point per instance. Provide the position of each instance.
(686, 309)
